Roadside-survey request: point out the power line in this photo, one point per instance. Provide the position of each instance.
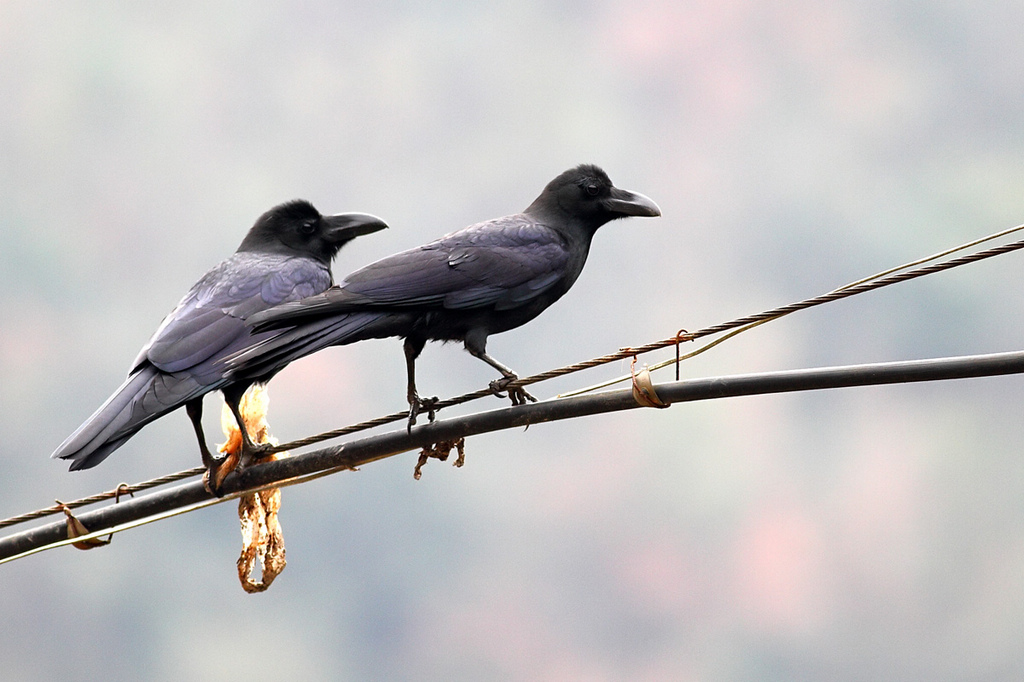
(878, 281)
(301, 467)
(881, 279)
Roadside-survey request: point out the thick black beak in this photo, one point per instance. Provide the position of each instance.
(628, 203)
(344, 227)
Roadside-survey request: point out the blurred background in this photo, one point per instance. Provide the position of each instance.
(861, 534)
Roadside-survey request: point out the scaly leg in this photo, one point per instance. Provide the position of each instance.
(517, 394)
(413, 346)
(250, 450)
(216, 467)
(194, 408)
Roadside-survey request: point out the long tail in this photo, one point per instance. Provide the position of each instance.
(144, 396)
(271, 355)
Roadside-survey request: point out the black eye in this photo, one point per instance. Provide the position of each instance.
(308, 227)
(592, 190)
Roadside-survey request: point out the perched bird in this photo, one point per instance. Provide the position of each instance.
(487, 278)
(286, 256)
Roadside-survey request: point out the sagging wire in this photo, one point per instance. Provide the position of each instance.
(96, 535)
(859, 286)
(122, 489)
(358, 452)
(110, 532)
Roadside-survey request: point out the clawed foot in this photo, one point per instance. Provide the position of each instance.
(418, 406)
(218, 468)
(517, 394)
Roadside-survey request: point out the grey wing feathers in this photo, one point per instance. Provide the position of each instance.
(211, 317)
(185, 357)
(500, 263)
(475, 267)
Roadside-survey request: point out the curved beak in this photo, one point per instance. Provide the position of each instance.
(343, 227)
(628, 203)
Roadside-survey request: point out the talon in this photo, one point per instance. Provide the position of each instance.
(253, 454)
(497, 386)
(517, 394)
(416, 407)
(431, 405)
(524, 396)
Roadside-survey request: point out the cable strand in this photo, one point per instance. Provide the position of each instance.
(877, 281)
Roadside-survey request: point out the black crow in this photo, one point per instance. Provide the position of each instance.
(482, 280)
(286, 256)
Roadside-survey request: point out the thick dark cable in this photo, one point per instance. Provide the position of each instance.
(372, 448)
(621, 354)
(624, 353)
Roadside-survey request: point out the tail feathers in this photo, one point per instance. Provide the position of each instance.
(101, 453)
(274, 353)
(144, 396)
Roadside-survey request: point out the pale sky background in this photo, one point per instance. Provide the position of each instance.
(862, 534)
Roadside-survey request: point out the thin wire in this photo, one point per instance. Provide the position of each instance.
(123, 527)
(935, 256)
(860, 286)
(122, 489)
(366, 450)
(172, 512)
(736, 326)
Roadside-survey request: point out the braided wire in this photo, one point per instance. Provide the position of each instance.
(862, 286)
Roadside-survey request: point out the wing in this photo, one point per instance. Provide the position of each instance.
(209, 322)
(500, 263)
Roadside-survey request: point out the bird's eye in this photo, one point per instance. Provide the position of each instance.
(308, 227)
(592, 190)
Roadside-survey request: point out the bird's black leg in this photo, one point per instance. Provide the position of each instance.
(218, 468)
(413, 346)
(215, 472)
(250, 450)
(194, 408)
(517, 394)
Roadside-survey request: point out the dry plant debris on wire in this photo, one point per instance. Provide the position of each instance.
(256, 485)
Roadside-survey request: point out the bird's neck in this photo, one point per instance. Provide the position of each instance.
(279, 249)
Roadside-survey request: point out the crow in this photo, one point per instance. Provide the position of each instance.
(487, 278)
(285, 256)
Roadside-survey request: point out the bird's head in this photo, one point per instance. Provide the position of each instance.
(296, 228)
(586, 195)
